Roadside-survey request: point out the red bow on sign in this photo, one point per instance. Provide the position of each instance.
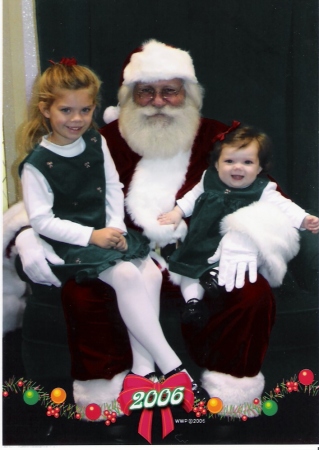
(221, 136)
(145, 391)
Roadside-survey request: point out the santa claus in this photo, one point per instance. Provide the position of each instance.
(160, 145)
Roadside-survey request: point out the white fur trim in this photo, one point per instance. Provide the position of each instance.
(158, 61)
(111, 113)
(234, 391)
(102, 392)
(14, 288)
(13, 219)
(175, 278)
(152, 192)
(271, 231)
(159, 259)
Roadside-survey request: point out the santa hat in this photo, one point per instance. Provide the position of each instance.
(151, 62)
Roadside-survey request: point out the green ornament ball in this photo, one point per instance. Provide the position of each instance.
(31, 397)
(270, 408)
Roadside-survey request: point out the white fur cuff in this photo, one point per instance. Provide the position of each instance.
(271, 231)
(102, 392)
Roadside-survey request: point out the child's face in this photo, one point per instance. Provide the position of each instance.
(70, 115)
(238, 168)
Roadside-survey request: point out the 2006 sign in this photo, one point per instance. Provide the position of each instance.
(161, 398)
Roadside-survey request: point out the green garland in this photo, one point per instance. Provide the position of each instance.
(242, 412)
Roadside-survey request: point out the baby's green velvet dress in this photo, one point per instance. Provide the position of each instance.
(203, 236)
(78, 185)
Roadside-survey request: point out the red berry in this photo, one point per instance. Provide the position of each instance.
(200, 408)
(289, 389)
(204, 411)
(256, 401)
(113, 420)
(106, 412)
(295, 388)
(244, 418)
(107, 423)
(56, 415)
(277, 390)
(195, 409)
(5, 393)
(57, 409)
(49, 408)
(20, 383)
(198, 414)
(288, 383)
(114, 414)
(49, 413)
(78, 416)
(201, 403)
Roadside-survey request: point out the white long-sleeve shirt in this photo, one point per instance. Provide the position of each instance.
(38, 198)
(270, 195)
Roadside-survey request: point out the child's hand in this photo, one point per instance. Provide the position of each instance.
(171, 218)
(109, 238)
(121, 246)
(311, 223)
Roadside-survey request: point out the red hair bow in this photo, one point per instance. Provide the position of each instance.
(221, 136)
(66, 61)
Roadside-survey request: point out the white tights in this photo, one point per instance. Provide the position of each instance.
(137, 285)
(191, 288)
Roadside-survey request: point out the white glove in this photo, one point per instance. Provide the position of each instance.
(236, 254)
(34, 253)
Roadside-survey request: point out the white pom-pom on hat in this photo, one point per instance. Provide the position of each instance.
(111, 113)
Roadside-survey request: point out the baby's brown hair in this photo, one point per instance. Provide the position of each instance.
(240, 137)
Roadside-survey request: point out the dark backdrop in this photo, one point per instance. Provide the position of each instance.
(257, 60)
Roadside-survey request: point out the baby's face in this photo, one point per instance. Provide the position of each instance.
(238, 167)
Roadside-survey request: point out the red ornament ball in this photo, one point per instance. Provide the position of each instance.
(92, 411)
(306, 377)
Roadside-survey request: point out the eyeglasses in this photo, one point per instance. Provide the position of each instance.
(149, 93)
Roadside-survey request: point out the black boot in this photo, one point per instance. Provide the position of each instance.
(209, 281)
(193, 311)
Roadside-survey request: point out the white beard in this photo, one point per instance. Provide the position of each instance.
(159, 132)
(164, 138)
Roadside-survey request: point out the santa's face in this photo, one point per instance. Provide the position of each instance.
(160, 93)
(158, 120)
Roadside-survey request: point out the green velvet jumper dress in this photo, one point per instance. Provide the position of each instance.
(203, 236)
(78, 185)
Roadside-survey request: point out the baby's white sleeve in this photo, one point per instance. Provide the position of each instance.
(295, 213)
